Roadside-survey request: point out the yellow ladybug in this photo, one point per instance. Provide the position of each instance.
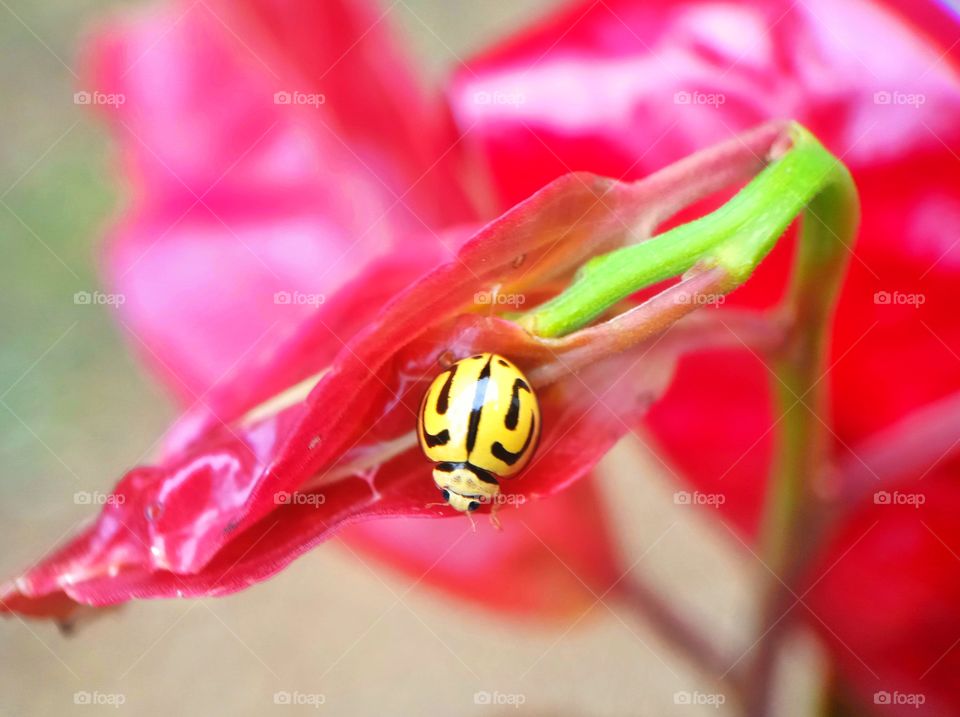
(479, 421)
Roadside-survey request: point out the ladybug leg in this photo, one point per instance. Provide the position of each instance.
(494, 518)
(473, 523)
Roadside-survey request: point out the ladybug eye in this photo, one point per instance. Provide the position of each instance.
(446, 494)
(473, 505)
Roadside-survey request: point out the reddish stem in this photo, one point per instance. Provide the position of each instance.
(680, 633)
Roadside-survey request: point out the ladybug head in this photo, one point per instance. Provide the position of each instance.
(465, 487)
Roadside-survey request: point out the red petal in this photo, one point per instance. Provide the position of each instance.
(552, 557)
(376, 104)
(207, 520)
(624, 87)
(896, 569)
(233, 202)
(210, 522)
(716, 423)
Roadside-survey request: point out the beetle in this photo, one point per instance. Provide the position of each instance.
(479, 421)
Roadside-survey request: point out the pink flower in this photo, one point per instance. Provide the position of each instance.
(298, 262)
(309, 227)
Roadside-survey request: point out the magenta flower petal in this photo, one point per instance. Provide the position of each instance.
(628, 86)
(232, 140)
(317, 432)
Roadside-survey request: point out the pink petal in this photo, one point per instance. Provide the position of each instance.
(238, 199)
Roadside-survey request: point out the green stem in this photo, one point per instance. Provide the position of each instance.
(829, 228)
(803, 179)
(735, 237)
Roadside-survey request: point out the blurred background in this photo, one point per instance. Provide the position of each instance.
(76, 411)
